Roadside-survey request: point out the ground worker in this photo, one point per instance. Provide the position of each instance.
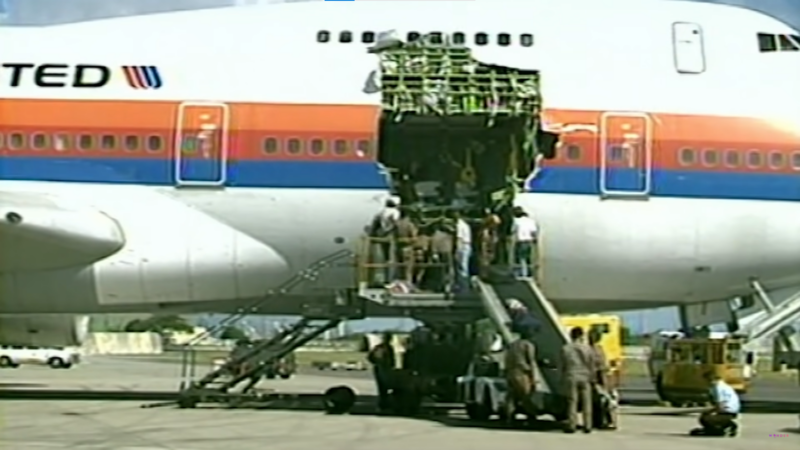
(406, 234)
(579, 366)
(383, 229)
(463, 252)
(520, 371)
(442, 249)
(604, 408)
(720, 419)
(489, 239)
(383, 362)
(524, 232)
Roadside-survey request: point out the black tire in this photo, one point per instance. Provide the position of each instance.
(270, 376)
(5, 361)
(286, 376)
(660, 388)
(56, 363)
(481, 411)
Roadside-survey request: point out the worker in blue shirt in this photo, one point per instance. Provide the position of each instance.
(720, 419)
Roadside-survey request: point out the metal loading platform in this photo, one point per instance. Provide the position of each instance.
(234, 382)
(777, 321)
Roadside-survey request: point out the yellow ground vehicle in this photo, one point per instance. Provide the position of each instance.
(678, 377)
(611, 329)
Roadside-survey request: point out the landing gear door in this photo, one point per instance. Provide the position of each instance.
(201, 144)
(625, 154)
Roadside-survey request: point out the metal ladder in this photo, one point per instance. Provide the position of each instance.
(300, 333)
(549, 340)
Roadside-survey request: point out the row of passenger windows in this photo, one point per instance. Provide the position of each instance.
(733, 158)
(436, 37)
(155, 143)
(316, 147)
(64, 142)
(768, 42)
(709, 157)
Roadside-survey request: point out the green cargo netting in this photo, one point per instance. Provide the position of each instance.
(427, 79)
(424, 79)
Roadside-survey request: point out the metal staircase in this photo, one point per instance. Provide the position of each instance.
(549, 340)
(216, 386)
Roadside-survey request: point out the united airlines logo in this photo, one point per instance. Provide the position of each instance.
(143, 77)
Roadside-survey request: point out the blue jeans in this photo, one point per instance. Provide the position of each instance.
(523, 258)
(463, 254)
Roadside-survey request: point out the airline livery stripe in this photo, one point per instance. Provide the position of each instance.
(142, 77)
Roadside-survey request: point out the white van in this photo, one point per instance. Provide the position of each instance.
(57, 358)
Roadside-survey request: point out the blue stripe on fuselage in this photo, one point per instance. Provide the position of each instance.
(366, 175)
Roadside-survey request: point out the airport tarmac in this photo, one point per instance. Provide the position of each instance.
(118, 425)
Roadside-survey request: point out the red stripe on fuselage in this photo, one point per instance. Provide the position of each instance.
(251, 123)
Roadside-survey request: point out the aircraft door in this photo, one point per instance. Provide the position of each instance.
(688, 48)
(626, 157)
(201, 144)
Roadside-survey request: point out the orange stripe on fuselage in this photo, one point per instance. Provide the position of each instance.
(251, 123)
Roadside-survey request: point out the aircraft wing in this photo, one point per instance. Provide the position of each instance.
(42, 232)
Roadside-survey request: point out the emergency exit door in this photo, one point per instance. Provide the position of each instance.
(201, 144)
(625, 154)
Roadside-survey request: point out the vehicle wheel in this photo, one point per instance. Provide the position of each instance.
(56, 363)
(286, 376)
(481, 411)
(66, 366)
(270, 376)
(660, 388)
(5, 361)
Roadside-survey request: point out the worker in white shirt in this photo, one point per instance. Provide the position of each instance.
(463, 252)
(383, 229)
(525, 233)
(720, 419)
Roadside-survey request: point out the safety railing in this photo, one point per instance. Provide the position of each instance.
(383, 260)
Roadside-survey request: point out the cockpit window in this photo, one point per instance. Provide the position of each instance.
(795, 38)
(766, 42)
(786, 44)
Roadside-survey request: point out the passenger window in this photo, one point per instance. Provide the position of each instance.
(154, 144)
(481, 39)
(459, 38)
(317, 147)
(16, 141)
(732, 158)
(754, 158)
(85, 142)
(616, 153)
(323, 36)
(573, 152)
(526, 40)
(270, 146)
(345, 37)
(294, 147)
(687, 157)
(412, 36)
(435, 38)
(796, 160)
(766, 42)
(363, 148)
(786, 44)
(39, 141)
(62, 142)
(776, 160)
(710, 157)
(131, 143)
(340, 147)
(108, 142)
(504, 39)
(368, 37)
(2, 140)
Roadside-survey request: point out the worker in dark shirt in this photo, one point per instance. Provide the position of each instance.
(382, 358)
